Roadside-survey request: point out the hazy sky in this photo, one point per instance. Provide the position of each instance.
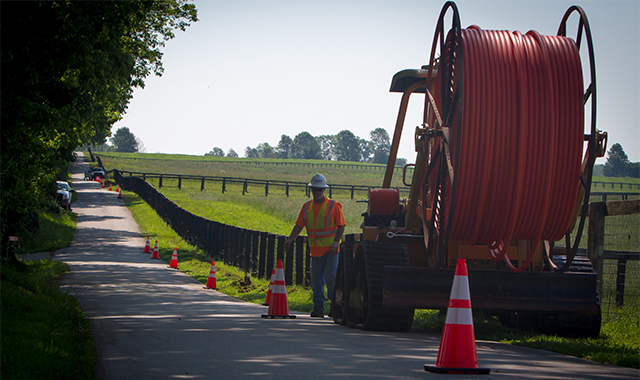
(250, 71)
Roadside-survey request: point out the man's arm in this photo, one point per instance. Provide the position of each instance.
(294, 234)
(336, 241)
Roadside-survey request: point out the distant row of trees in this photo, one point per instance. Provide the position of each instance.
(344, 146)
(121, 141)
(618, 164)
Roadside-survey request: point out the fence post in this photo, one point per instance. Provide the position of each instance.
(280, 248)
(352, 189)
(595, 242)
(307, 263)
(620, 277)
(224, 239)
(179, 182)
(271, 239)
(266, 189)
(220, 241)
(288, 260)
(234, 245)
(247, 250)
(224, 184)
(240, 248)
(262, 257)
(287, 189)
(254, 251)
(202, 184)
(330, 192)
(299, 260)
(244, 187)
(160, 183)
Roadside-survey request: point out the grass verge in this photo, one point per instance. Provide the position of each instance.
(55, 232)
(44, 333)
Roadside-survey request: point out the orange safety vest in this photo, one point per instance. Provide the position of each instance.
(321, 230)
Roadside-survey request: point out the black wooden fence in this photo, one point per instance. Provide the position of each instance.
(224, 183)
(254, 252)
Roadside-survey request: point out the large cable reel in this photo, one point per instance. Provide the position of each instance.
(541, 140)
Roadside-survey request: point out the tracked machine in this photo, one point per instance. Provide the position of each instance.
(503, 172)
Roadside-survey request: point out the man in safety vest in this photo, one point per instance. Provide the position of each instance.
(325, 225)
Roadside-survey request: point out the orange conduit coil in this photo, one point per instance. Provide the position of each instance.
(383, 201)
(521, 140)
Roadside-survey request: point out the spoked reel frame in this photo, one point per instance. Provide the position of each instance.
(450, 66)
(436, 236)
(595, 147)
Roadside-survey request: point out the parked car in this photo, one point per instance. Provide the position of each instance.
(64, 194)
(91, 174)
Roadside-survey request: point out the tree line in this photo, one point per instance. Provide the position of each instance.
(618, 164)
(68, 72)
(122, 141)
(344, 146)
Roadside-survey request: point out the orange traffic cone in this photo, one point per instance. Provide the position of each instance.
(174, 259)
(211, 281)
(457, 352)
(98, 179)
(156, 254)
(119, 194)
(273, 278)
(117, 188)
(101, 183)
(147, 246)
(278, 304)
(110, 187)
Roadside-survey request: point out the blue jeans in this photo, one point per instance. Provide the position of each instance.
(323, 269)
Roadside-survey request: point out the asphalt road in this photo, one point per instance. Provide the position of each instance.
(153, 322)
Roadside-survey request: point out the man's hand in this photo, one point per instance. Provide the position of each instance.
(334, 248)
(287, 244)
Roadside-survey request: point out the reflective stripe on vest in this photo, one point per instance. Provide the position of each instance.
(320, 235)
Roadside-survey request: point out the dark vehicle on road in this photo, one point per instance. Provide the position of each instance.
(93, 173)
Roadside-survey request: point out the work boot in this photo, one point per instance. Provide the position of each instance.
(317, 313)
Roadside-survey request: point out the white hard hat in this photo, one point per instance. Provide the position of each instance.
(318, 180)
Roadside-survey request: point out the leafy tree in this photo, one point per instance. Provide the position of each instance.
(617, 162)
(232, 153)
(633, 170)
(305, 146)
(400, 161)
(124, 141)
(68, 72)
(597, 170)
(215, 152)
(365, 149)
(140, 144)
(100, 147)
(284, 146)
(327, 146)
(265, 150)
(347, 147)
(381, 145)
(250, 152)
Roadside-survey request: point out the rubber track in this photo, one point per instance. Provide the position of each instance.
(563, 324)
(342, 279)
(377, 255)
